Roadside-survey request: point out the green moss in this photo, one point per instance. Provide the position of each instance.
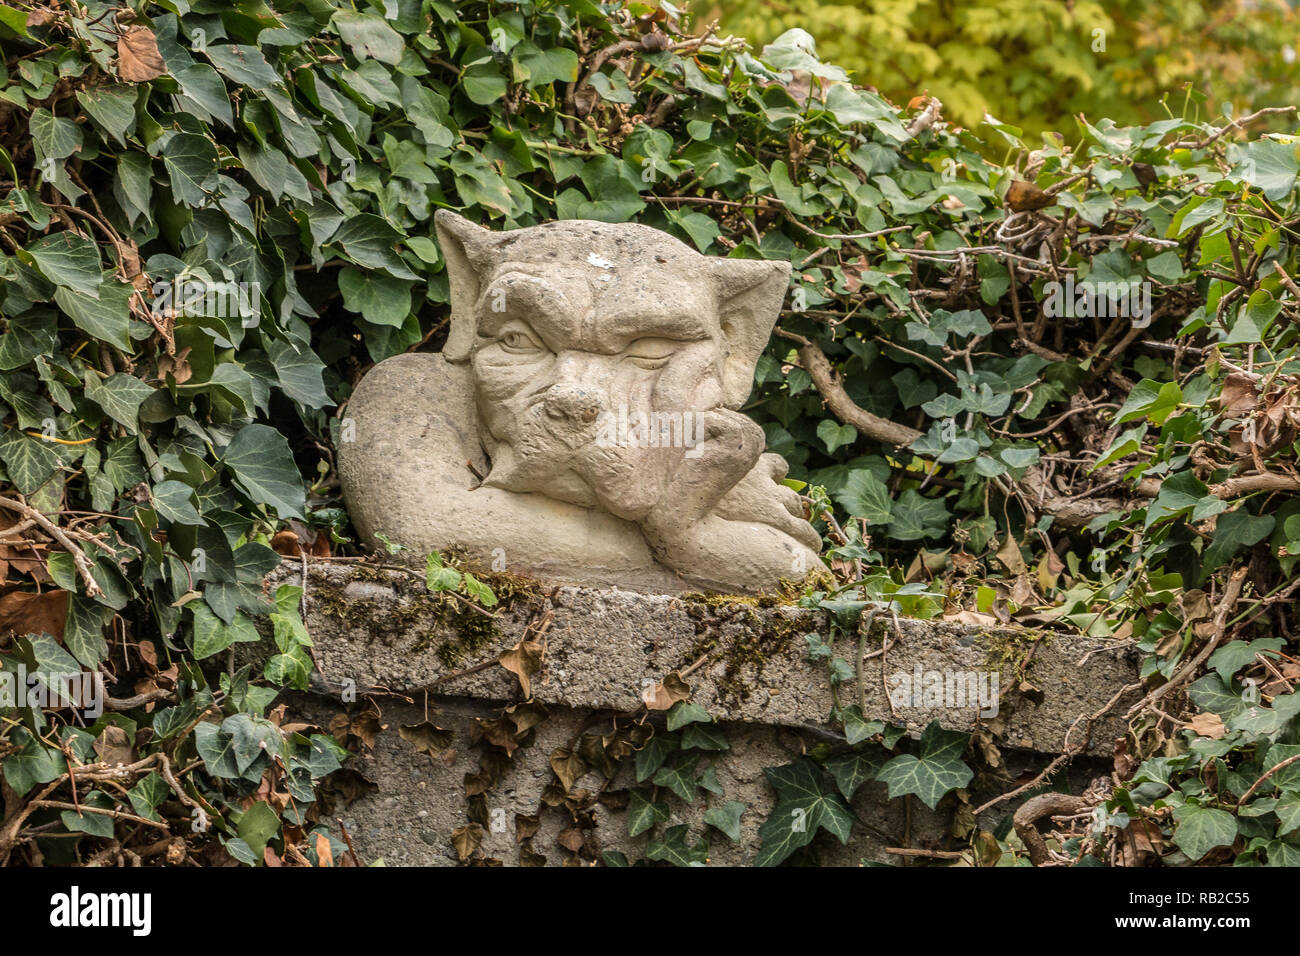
(1005, 649)
(745, 649)
(473, 632)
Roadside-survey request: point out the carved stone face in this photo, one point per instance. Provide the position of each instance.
(576, 333)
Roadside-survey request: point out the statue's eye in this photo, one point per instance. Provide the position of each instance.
(651, 352)
(518, 342)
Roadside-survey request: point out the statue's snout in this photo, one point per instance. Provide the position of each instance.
(574, 403)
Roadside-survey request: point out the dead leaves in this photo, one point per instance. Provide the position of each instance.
(178, 367)
(1265, 422)
(662, 696)
(1207, 725)
(113, 746)
(22, 612)
(297, 537)
(569, 767)
(524, 660)
(40, 17)
(428, 737)
(138, 59)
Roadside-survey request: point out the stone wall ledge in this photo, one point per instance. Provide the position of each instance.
(381, 628)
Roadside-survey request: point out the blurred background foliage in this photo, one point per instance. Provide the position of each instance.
(1038, 63)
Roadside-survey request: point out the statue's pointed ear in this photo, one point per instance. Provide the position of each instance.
(750, 293)
(467, 251)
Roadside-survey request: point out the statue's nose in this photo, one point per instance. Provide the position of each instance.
(573, 402)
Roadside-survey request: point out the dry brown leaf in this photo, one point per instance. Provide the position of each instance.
(663, 696)
(526, 827)
(1239, 395)
(283, 542)
(466, 840)
(974, 618)
(138, 59)
(324, 852)
(22, 612)
(367, 727)
(1195, 606)
(568, 766)
(1123, 762)
(1138, 844)
(1208, 725)
(425, 736)
(523, 660)
(1049, 571)
(570, 839)
(1010, 556)
(525, 716)
(498, 731)
(178, 367)
(113, 746)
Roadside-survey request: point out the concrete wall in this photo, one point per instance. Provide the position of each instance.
(397, 662)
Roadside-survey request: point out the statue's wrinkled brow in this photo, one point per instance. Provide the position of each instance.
(545, 304)
(659, 321)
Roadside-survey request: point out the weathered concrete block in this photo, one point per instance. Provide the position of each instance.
(429, 657)
(381, 628)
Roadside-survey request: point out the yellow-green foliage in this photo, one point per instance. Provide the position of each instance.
(1037, 63)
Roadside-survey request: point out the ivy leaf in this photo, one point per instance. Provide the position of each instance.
(111, 107)
(68, 261)
(643, 813)
(652, 756)
(1268, 165)
(172, 499)
(937, 770)
(851, 770)
(1288, 814)
(679, 776)
(92, 824)
(1234, 531)
(106, 317)
(257, 825)
(29, 461)
(704, 736)
(684, 712)
(379, 299)
(914, 517)
(212, 635)
(263, 468)
(244, 64)
(726, 818)
(1153, 400)
(483, 83)
(369, 36)
(216, 750)
(806, 803)
(300, 373)
(834, 435)
(866, 496)
(370, 242)
(673, 848)
(1199, 830)
(1235, 655)
(53, 136)
(119, 395)
(857, 728)
(191, 164)
(83, 632)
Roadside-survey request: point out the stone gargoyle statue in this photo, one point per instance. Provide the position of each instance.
(580, 425)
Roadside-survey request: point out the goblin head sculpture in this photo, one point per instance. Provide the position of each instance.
(581, 423)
